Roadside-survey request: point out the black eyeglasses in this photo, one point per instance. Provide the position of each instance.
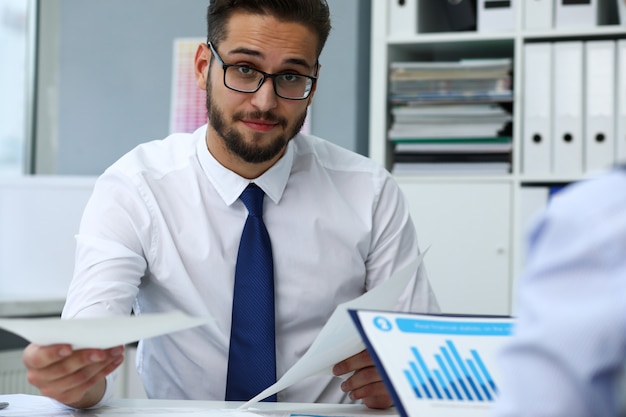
(248, 80)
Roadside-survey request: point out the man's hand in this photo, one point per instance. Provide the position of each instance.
(366, 383)
(73, 377)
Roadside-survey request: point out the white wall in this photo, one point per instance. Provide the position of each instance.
(105, 69)
(39, 217)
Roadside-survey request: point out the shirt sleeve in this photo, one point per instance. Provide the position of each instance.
(568, 349)
(110, 251)
(395, 245)
(110, 260)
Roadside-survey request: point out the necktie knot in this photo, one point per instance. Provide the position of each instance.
(252, 198)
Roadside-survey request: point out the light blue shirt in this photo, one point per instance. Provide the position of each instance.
(569, 344)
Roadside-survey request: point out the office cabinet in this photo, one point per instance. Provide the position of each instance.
(465, 226)
(446, 204)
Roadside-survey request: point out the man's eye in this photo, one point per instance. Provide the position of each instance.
(290, 77)
(246, 70)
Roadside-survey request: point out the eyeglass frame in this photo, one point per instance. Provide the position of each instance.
(265, 76)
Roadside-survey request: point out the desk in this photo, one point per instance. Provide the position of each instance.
(29, 307)
(37, 406)
(24, 307)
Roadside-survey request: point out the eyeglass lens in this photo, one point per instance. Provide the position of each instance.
(246, 79)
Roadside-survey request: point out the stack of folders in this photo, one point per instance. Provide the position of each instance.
(451, 117)
(574, 107)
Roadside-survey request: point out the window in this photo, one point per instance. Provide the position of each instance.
(16, 83)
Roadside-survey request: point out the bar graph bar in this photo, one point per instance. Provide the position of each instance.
(451, 376)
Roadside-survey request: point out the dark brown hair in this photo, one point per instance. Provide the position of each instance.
(311, 13)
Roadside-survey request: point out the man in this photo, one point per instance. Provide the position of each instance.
(162, 229)
(568, 351)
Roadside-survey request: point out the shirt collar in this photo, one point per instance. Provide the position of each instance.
(230, 185)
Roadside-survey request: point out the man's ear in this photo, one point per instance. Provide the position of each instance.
(201, 65)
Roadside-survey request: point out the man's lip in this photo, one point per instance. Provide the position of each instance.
(256, 124)
(260, 121)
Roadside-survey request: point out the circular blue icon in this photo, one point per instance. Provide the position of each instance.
(382, 323)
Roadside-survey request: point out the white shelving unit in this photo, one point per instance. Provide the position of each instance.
(473, 223)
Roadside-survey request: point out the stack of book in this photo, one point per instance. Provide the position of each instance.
(451, 117)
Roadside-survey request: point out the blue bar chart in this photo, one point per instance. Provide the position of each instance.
(452, 378)
(436, 365)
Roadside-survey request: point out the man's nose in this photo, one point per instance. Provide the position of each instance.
(265, 97)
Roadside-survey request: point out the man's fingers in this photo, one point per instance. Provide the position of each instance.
(65, 374)
(360, 379)
(71, 388)
(379, 402)
(374, 393)
(353, 363)
(365, 383)
(48, 364)
(38, 357)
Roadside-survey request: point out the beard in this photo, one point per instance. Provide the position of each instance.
(235, 141)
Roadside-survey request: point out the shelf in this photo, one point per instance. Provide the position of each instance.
(443, 203)
(596, 33)
(449, 37)
(471, 38)
(449, 48)
(35, 307)
(552, 179)
(457, 178)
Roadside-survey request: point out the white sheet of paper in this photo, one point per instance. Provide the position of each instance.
(101, 333)
(339, 338)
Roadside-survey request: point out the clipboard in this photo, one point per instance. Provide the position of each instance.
(435, 365)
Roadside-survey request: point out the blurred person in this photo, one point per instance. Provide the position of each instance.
(568, 350)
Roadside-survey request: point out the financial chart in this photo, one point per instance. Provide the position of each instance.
(453, 377)
(434, 363)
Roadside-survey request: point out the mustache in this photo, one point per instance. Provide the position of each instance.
(265, 116)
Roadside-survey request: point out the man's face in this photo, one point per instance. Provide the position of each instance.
(256, 127)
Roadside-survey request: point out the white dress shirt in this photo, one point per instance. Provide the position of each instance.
(161, 232)
(569, 344)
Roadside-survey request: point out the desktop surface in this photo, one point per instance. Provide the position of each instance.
(38, 406)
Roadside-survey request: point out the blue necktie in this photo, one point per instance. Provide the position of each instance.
(252, 355)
